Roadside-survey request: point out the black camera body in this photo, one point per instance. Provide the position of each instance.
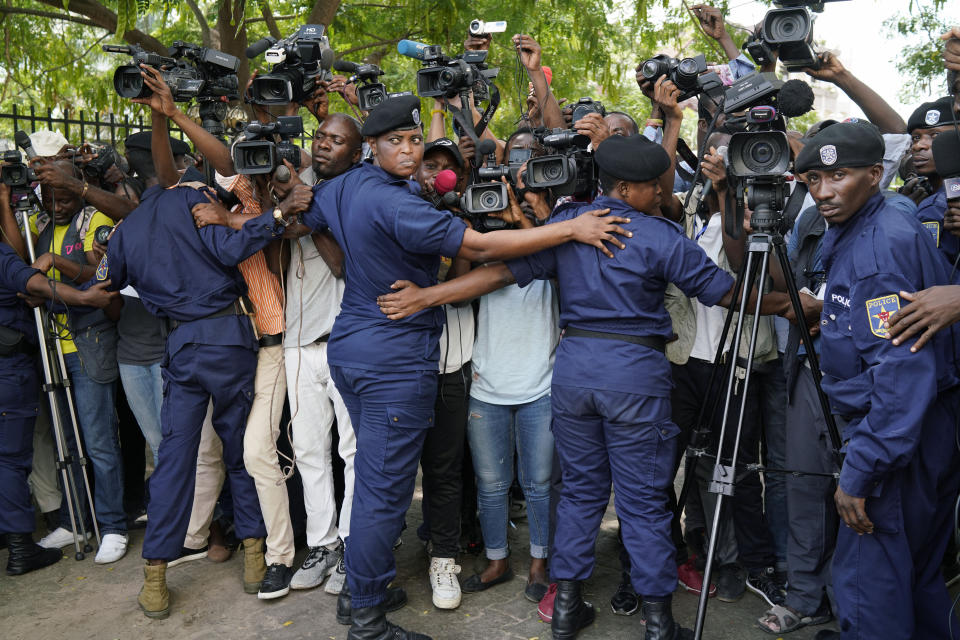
(107, 157)
(102, 234)
(481, 198)
(300, 62)
(689, 74)
(14, 173)
(444, 77)
(569, 171)
(256, 152)
(583, 106)
(790, 31)
(369, 94)
(751, 90)
(213, 73)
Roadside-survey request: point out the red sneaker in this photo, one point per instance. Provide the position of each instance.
(692, 580)
(545, 608)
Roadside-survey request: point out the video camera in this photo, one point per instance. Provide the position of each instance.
(789, 31)
(255, 152)
(568, 171)
(369, 93)
(689, 74)
(106, 157)
(446, 77)
(212, 74)
(300, 62)
(481, 28)
(14, 173)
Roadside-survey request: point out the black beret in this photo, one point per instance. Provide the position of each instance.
(946, 155)
(844, 144)
(932, 114)
(394, 113)
(446, 144)
(633, 158)
(141, 140)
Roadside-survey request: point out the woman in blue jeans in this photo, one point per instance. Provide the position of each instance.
(509, 417)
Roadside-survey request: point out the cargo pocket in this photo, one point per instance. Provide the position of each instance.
(665, 449)
(406, 428)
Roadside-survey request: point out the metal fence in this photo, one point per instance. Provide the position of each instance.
(81, 126)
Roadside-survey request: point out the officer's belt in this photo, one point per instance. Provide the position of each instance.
(239, 307)
(654, 342)
(271, 340)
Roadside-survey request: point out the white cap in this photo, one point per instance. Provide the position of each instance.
(47, 143)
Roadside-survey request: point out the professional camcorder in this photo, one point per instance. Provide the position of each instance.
(369, 93)
(789, 31)
(446, 77)
(300, 62)
(206, 72)
(256, 152)
(568, 171)
(15, 174)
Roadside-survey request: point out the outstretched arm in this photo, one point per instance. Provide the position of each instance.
(409, 299)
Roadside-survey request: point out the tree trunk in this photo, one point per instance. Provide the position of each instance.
(323, 12)
(233, 35)
(107, 19)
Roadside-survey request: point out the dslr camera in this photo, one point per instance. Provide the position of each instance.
(14, 173)
(255, 152)
(300, 62)
(583, 106)
(107, 156)
(369, 93)
(569, 170)
(213, 73)
(689, 74)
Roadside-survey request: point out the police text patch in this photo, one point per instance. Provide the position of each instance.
(934, 229)
(102, 269)
(879, 311)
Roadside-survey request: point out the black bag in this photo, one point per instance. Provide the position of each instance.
(12, 342)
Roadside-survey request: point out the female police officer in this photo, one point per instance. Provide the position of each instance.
(615, 426)
(19, 391)
(386, 371)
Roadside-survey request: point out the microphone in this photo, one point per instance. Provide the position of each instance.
(413, 49)
(708, 183)
(444, 184)
(23, 141)
(486, 147)
(282, 173)
(795, 99)
(260, 46)
(946, 155)
(345, 65)
(326, 58)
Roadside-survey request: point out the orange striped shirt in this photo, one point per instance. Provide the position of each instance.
(264, 287)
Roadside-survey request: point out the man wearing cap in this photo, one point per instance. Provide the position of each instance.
(605, 428)
(387, 372)
(927, 122)
(899, 409)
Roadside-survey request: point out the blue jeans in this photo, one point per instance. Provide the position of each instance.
(144, 388)
(98, 424)
(495, 431)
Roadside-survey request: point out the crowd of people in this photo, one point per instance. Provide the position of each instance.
(340, 319)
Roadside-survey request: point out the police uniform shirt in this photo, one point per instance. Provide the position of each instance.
(182, 272)
(623, 294)
(387, 233)
(883, 390)
(930, 212)
(14, 313)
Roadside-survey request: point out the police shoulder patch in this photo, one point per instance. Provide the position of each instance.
(879, 311)
(102, 269)
(934, 229)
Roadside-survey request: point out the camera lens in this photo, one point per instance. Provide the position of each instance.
(490, 200)
(788, 27)
(374, 99)
(759, 156)
(552, 171)
(652, 69)
(129, 83)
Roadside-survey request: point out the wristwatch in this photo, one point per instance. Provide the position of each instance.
(278, 217)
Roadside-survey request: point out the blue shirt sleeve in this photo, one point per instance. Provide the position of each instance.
(313, 217)
(686, 265)
(230, 246)
(741, 66)
(421, 228)
(14, 272)
(539, 266)
(653, 134)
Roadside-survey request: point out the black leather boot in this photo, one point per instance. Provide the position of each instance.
(395, 598)
(570, 612)
(660, 623)
(370, 623)
(26, 555)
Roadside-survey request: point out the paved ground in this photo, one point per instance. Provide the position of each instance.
(79, 600)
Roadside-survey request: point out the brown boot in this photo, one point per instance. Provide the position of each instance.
(219, 550)
(154, 598)
(254, 566)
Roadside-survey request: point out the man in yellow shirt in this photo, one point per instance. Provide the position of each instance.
(89, 344)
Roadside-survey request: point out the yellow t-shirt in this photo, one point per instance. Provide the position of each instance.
(59, 231)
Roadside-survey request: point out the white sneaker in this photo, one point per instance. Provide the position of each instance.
(444, 582)
(113, 546)
(58, 538)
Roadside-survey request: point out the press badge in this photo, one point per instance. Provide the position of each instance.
(879, 311)
(934, 229)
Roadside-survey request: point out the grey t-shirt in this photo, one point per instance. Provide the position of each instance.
(141, 334)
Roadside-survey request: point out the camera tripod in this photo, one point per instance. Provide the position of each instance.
(55, 378)
(755, 270)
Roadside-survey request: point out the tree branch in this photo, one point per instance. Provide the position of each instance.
(381, 43)
(271, 22)
(47, 14)
(262, 19)
(202, 21)
(104, 18)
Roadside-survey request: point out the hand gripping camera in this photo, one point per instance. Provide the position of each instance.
(212, 74)
(255, 151)
(369, 93)
(689, 74)
(300, 62)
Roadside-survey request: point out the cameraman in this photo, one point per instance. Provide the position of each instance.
(529, 51)
(57, 176)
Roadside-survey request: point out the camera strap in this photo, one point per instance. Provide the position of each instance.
(794, 204)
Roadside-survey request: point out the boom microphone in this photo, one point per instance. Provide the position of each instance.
(23, 141)
(795, 99)
(486, 147)
(412, 49)
(260, 46)
(345, 65)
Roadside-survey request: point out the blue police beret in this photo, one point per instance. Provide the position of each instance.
(932, 114)
(844, 144)
(141, 140)
(395, 113)
(633, 158)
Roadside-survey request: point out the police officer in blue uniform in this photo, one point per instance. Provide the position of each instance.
(615, 425)
(899, 477)
(19, 393)
(386, 371)
(927, 122)
(189, 277)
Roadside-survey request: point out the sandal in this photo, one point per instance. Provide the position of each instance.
(788, 620)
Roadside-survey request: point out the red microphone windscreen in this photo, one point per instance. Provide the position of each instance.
(445, 181)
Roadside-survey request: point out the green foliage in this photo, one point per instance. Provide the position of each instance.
(922, 62)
